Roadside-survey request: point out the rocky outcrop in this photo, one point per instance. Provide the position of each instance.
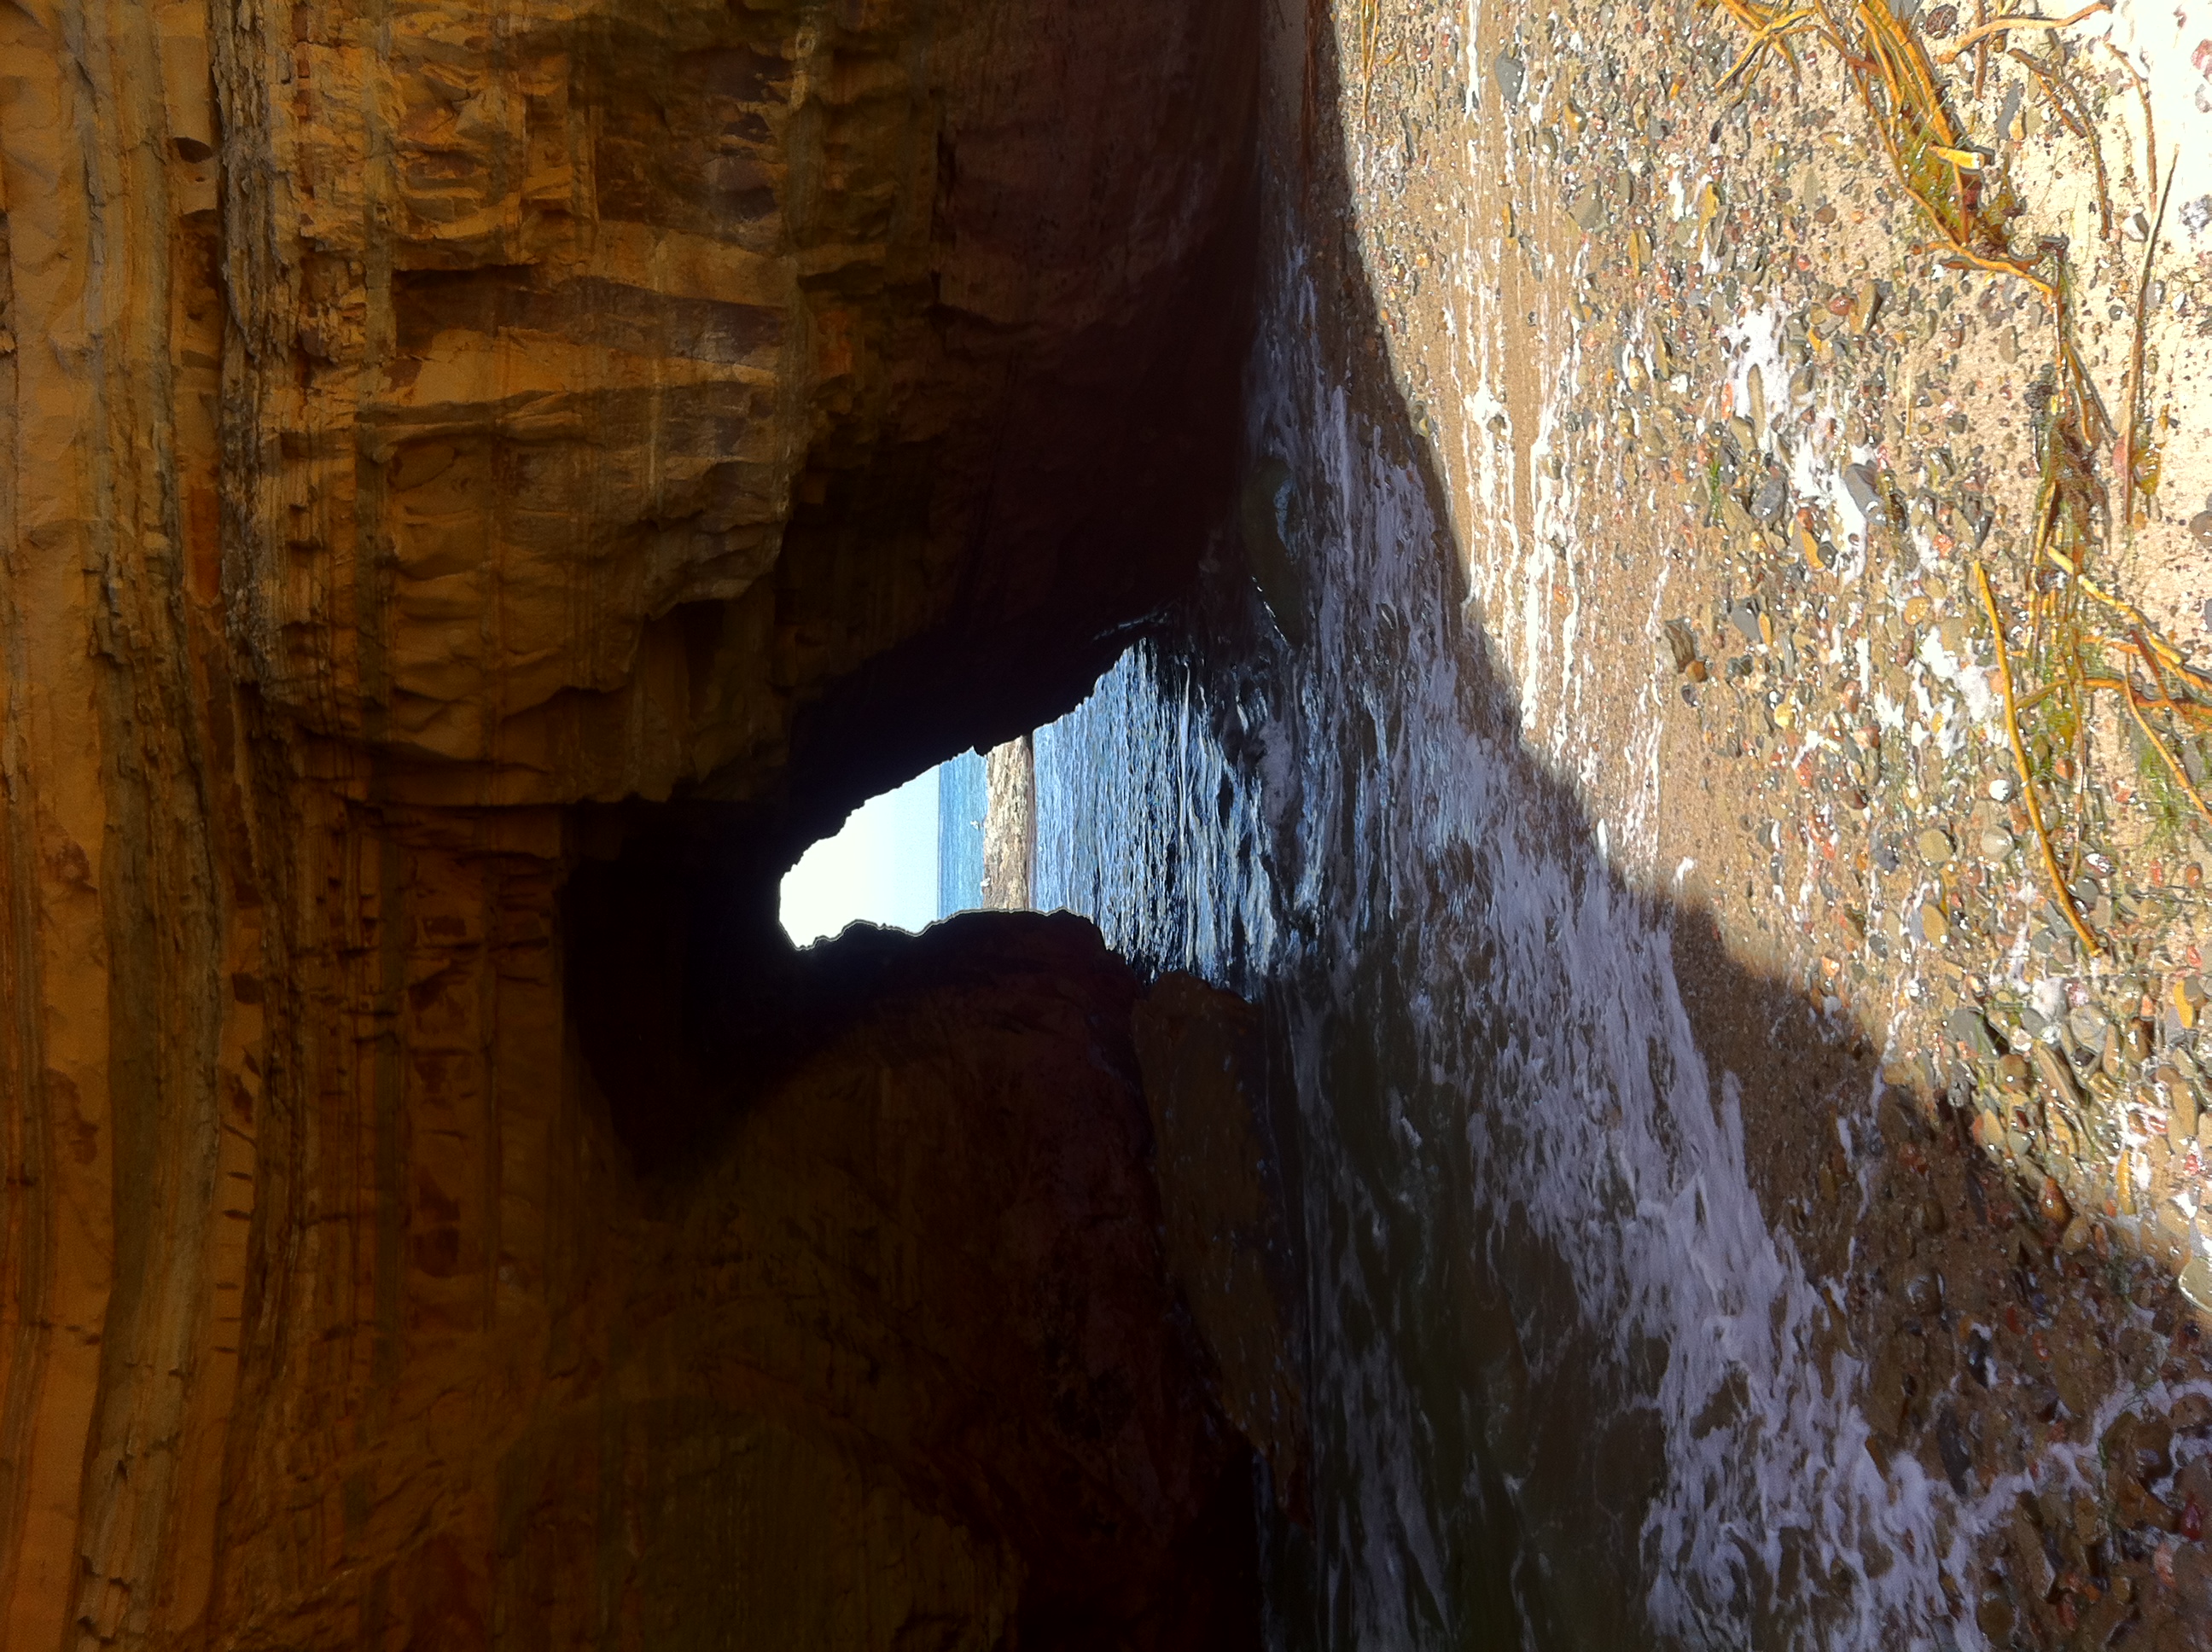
(458, 458)
(894, 1359)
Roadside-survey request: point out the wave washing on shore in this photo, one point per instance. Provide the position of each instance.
(1568, 1385)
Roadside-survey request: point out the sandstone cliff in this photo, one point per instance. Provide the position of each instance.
(444, 447)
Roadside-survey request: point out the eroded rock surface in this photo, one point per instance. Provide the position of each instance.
(444, 445)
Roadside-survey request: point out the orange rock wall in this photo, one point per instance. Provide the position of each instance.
(417, 422)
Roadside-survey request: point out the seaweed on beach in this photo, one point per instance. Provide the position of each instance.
(2072, 616)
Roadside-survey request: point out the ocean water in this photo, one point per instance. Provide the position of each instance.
(1564, 1378)
(961, 795)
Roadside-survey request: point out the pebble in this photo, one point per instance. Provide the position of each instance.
(1864, 488)
(2052, 1201)
(2050, 1070)
(2196, 1283)
(2075, 1239)
(1970, 1030)
(2088, 1024)
(1996, 843)
(1815, 557)
(2181, 1122)
(1934, 926)
(1935, 847)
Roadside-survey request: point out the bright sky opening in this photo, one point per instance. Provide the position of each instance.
(881, 868)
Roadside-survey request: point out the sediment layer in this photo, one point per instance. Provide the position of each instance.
(446, 449)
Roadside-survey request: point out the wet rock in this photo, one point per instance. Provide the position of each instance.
(2051, 1071)
(2201, 526)
(1996, 843)
(1968, 1028)
(1935, 847)
(2052, 1201)
(2076, 1237)
(1935, 927)
(1957, 1455)
(2181, 1121)
(2013, 1072)
(2088, 1024)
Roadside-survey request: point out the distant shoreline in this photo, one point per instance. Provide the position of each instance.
(1010, 825)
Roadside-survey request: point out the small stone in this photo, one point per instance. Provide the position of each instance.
(1996, 843)
(2075, 1239)
(1696, 672)
(2087, 1025)
(2182, 1117)
(1512, 77)
(2196, 1283)
(1934, 926)
(1816, 557)
(1864, 488)
(2001, 788)
(2012, 1071)
(1967, 1027)
(2052, 1202)
(2051, 1071)
(2201, 526)
(1933, 846)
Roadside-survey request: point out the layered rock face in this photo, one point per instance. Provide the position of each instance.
(449, 446)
